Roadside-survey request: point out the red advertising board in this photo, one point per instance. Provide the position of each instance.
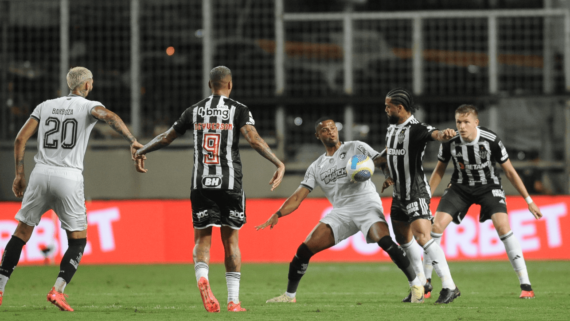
(159, 231)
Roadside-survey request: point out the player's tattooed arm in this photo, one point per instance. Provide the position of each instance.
(382, 163)
(257, 143)
(29, 129)
(290, 205)
(114, 121)
(158, 142)
(443, 135)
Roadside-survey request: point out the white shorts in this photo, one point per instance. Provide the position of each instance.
(347, 222)
(56, 188)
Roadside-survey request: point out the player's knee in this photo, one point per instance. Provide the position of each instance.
(304, 253)
(437, 228)
(423, 238)
(79, 243)
(503, 230)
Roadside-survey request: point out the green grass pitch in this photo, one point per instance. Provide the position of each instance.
(345, 291)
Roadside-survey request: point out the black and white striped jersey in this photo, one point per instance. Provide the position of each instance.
(216, 122)
(475, 161)
(405, 148)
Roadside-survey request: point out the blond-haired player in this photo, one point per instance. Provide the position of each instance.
(63, 126)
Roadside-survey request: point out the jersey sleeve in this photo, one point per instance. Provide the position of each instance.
(244, 118)
(367, 150)
(93, 104)
(444, 153)
(310, 179)
(498, 151)
(425, 131)
(184, 122)
(37, 112)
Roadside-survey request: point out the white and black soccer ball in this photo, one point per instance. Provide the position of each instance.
(360, 168)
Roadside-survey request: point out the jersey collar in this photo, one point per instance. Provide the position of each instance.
(475, 141)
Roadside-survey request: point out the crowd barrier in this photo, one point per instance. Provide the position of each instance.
(160, 231)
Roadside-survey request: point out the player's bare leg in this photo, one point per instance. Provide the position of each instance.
(230, 239)
(12, 253)
(320, 238)
(380, 234)
(514, 252)
(201, 255)
(441, 222)
(77, 241)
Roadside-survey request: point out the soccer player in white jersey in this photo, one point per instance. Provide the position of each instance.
(474, 152)
(356, 207)
(63, 125)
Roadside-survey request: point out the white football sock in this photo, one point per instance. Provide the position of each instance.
(428, 268)
(3, 280)
(60, 284)
(415, 282)
(201, 269)
(514, 251)
(439, 264)
(232, 279)
(415, 256)
(291, 295)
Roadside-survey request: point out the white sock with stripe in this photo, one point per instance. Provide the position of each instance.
(232, 279)
(3, 280)
(201, 269)
(515, 254)
(428, 267)
(439, 264)
(415, 256)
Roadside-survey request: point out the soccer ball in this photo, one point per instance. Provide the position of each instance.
(360, 168)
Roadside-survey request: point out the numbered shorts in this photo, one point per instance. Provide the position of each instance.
(55, 188)
(347, 222)
(217, 208)
(409, 211)
(457, 199)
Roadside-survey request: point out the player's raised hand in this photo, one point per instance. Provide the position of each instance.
(448, 134)
(135, 146)
(387, 183)
(272, 221)
(277, 177)
(19, 186)
(534, 210)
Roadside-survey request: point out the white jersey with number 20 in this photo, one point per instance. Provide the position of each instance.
(65, 124)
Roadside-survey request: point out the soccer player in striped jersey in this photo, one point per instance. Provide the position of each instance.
(356, 207)
(411, 217)
(474, 152)
(217, 196)
(63, 126)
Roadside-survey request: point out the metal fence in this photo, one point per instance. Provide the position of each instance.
(151, 59)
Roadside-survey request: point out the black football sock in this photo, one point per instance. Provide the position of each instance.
(298, 267)
(11, 255)
(71, 259)
(397, 255)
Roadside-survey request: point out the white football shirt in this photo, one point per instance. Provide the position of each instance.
(65, 124)
(329, 172)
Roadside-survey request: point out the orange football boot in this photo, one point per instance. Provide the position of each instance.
(527, 294)
(58, 299)
(235, 307)
(1, 295)
(210, 302)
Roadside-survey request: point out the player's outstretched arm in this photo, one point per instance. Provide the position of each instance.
(257, 143)
(29, 128)
(437, 175)
(157, 143)
(290, 205)
(513, 176)
(443, 135)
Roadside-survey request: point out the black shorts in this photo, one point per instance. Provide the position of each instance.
(217, 208)
(409, 211)
(457, 199)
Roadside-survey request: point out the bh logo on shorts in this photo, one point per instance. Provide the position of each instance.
(202, 214)
(212, 181)
(237, 215)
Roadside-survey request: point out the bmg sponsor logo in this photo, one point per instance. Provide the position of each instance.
(212, 181)
(214, 112)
